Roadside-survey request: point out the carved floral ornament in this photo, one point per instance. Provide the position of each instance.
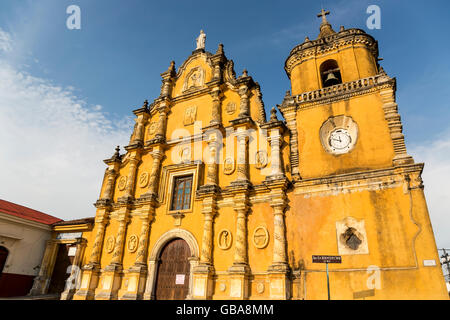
(122, 183)
(153, 126)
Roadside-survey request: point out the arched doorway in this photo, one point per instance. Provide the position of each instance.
(172, 280)
(3, 257)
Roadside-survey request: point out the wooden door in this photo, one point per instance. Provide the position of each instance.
(172, 281)
(3, 257)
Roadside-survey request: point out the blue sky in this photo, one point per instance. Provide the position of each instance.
(112, 64)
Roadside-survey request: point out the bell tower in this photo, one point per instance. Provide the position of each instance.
(341, 109)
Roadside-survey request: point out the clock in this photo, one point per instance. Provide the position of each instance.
(339, 135)
(340, 140)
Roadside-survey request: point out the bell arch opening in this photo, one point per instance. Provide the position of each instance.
(330, 73)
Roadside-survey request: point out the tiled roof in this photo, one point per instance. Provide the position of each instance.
(26, 213)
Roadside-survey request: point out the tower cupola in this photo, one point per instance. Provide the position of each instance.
(333, 58)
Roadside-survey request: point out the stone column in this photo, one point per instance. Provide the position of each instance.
(242, 157)
(216, 106)
(203, 274)
(279, 236)
(240, 271)
(155, 172)
(111, 276)
(279, 270)
(100, 223)
(212, 166)
(244, 104)
(91, 272)
(240, 253)
(162, 121)
(120, 242)
(111, 176)
(275, 141)
(129, 189)
(136, 275)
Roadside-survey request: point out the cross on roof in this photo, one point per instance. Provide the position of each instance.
(323, 14)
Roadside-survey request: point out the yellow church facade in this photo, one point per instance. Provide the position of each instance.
(214, 199)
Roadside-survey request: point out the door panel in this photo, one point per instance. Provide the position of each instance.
(172, 282)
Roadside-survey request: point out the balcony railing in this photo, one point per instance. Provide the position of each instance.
(338, 89)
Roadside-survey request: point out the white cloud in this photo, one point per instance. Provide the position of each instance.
(5, 41)
(436, 175)
(52, 144)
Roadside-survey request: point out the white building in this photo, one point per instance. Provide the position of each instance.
(24, 233)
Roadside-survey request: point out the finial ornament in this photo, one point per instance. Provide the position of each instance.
(273, 114)
(245, 73)
(145, 105)
(220, 49)
(201, 40)
(116, 155)
(323, 14)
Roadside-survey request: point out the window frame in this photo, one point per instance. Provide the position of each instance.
(175, 193)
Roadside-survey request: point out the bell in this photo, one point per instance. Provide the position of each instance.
(331, 80)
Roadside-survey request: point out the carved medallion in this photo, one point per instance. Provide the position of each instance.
(122, 183)
(231, 108)
(261, 159)
(228, 166)
(185, 154)
(260, 237)
(260, 287)
(153, 126)
(189, 115)
(143, 179)
(110, 243)
(133, 243)
(222, 287)
(224, 239)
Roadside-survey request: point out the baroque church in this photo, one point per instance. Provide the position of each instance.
(214, 199)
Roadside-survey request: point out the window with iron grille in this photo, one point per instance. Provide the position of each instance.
(181, 193)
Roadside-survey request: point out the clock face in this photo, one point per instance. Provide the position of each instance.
(340, 140)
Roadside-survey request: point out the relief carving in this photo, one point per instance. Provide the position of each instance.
(122, 183)
(224, 239)
(260, 237)
(189, 115)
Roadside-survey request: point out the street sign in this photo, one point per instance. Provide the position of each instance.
(326, 259)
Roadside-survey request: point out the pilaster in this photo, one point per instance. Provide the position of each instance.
(91, 272)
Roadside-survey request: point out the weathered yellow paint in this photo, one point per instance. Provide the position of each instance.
(376, 182)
